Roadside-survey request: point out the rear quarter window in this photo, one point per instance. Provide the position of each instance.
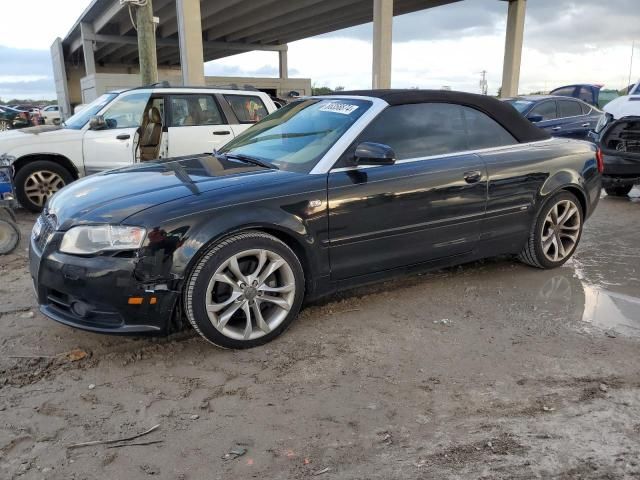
(247, 108)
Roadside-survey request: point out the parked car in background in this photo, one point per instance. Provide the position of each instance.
(327, 193)
(50, 114)
(124, 127)
(618, 135)
(10, 118)
(559, 116)
(593, 94)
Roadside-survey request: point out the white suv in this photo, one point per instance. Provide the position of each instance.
(124, 127)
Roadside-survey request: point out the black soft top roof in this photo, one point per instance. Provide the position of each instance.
(507, 116)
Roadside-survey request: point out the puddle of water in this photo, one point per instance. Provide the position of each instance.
(611, 311)
(569, 292)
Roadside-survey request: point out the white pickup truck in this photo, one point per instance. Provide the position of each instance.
(124, 127)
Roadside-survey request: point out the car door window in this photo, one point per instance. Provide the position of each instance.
(547, 110)
(195, 110)
(568, 108)
(419, 130)
(247, 108)
(126, 112)
(431, 129)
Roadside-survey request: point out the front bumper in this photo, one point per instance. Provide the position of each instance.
(619, 170)
(92, 293)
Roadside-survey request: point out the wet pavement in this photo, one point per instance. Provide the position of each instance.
(489, 370)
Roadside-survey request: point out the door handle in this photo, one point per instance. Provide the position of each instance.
(221, 132)
(123, 136)
(555, 129)
(473, 176)
(586, 124)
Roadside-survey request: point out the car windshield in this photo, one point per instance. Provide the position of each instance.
(81, 118)
(519, 105)
(296, 137)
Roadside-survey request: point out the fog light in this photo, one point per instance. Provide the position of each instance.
(81, 309)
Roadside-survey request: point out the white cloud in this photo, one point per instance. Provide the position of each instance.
(36, 23)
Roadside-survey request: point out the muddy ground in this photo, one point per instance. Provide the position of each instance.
(492, 370)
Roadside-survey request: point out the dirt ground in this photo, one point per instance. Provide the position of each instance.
(492, 370)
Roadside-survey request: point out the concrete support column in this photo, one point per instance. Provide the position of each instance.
(284, 63)
(87, 34)
(382, 38)
(190, 35)
(513, 48)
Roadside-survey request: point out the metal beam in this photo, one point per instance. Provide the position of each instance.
(263, 16)
(240, 11)
(269, 23)
(107, 16)
(208, 10)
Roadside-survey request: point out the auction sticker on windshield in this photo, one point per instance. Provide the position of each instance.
(337, 107)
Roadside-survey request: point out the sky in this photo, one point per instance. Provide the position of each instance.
(566, 41)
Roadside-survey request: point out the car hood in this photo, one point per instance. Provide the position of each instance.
(28, 136)
(112, 196)
(626, 106)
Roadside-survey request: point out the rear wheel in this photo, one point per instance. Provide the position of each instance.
(4, 126)
(619, 190)
(556, 232)
(244, 291)
(39, 180)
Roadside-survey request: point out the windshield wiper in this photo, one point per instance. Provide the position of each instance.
(254, 160)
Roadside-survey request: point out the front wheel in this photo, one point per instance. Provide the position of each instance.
(39, 180)
(555, 233)
(244, 291)
(4, 126)
(619, 190)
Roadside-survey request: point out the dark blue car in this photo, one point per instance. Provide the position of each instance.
(560, 116)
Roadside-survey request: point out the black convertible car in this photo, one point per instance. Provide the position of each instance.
(323, 194)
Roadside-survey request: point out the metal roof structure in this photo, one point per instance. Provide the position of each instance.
(228, 26)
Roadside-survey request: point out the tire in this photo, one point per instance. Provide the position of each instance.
(37, 181)
(544, 236)
(271, 282)
(9, 235)
(4, 126)
(618, 190)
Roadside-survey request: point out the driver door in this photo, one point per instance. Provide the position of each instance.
(114, 146)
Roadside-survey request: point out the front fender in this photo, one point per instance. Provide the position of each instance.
(303, 228)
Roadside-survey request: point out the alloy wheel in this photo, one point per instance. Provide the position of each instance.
(4, 126)
(561, 230)
(250, 294)
(41, 185)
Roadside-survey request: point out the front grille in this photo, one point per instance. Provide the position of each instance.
(47, 227)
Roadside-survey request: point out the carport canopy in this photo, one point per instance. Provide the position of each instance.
(105, 34)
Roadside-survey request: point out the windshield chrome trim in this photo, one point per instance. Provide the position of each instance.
(330, 158)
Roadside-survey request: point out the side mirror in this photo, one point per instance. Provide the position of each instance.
(370, 153)
(535, 118)
(97, 122)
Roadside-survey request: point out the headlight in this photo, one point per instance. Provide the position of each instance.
(6, 159)
(602, 121)
(94, 239)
